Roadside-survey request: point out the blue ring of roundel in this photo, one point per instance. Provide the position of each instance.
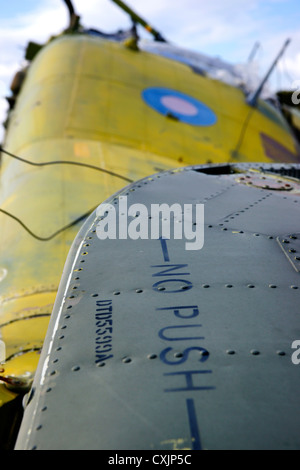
(204, 117)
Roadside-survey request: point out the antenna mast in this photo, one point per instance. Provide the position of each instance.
(74, 18)
(137, 19)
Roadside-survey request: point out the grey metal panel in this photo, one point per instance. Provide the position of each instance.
(200, 360)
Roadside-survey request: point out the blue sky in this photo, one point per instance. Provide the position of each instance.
(224, 28)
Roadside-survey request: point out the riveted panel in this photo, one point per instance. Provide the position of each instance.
(291, 247)
(153, 346)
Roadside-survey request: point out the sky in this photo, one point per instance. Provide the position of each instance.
(220, 28)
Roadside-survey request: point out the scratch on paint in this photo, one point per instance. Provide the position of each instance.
(177, 444)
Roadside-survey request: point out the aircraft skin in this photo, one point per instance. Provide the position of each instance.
(102, 114)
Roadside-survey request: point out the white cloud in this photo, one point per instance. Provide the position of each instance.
(291, 67)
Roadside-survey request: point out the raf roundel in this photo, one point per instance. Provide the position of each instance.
(179, 105)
